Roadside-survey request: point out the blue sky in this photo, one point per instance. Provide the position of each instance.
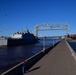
(16, 15)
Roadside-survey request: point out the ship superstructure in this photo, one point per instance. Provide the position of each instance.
(20, 35)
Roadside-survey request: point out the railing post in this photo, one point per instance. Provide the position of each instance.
(23, 67)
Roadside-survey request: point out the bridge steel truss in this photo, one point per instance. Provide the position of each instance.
(51, 26)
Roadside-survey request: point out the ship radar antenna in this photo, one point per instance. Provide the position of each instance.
(27, 29)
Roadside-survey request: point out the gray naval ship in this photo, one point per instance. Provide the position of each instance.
(19, 38)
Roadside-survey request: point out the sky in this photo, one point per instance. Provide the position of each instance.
(17, 15)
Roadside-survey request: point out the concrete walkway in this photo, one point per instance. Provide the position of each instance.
(59, 61)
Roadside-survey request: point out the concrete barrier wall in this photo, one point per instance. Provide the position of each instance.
(28, 63)
(31, 61)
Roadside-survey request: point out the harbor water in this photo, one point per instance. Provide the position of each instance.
(73, 45)
(12, 55)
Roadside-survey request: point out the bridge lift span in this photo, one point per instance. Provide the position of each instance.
(51, 26)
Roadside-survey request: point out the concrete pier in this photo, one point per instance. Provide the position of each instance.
(59, 61)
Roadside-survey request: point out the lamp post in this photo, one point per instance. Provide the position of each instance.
(53, 41)
(44, 43)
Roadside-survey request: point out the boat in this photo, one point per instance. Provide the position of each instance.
(19, 38)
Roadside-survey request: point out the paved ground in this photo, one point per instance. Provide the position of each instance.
(59, 61)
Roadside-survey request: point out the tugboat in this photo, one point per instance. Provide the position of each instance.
(21, 38)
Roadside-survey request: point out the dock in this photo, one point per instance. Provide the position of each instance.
(59, 61)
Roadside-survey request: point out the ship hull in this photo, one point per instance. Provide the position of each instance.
(11, 42)
(21, 41)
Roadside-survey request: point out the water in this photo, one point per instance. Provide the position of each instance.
(10, 56)
(73, 45)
